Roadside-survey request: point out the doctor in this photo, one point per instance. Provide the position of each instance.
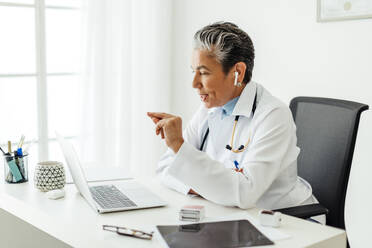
(239, 149)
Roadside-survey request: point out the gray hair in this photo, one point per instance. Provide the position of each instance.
(228, 44)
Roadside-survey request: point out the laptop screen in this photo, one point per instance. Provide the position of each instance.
(76, 171)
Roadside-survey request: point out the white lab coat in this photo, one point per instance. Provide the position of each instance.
(269, 179)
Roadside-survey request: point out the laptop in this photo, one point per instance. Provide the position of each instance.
(120, 196)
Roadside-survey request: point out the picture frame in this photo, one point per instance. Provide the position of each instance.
(341, 10)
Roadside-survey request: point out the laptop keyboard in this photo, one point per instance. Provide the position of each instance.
(108, 196)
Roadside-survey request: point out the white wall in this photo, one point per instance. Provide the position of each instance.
(295, 55)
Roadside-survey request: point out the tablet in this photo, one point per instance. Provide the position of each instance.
(236, 233)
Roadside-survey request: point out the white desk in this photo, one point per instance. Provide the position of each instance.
(72, 222)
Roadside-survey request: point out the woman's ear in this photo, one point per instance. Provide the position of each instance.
(240, 68)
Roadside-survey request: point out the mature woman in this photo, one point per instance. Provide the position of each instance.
(239, 149)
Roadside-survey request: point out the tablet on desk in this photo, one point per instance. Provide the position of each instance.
(235, 233)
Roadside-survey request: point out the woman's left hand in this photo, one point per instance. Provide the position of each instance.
(170, 127)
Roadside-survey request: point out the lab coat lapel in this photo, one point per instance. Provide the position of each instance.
(245, 102)
(220, 131)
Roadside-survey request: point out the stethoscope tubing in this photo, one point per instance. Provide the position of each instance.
(236, 120)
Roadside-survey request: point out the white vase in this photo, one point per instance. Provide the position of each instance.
(49, 175)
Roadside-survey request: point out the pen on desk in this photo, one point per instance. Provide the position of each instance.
(236, 164)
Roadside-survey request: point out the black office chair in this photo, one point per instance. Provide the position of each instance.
(326, 134)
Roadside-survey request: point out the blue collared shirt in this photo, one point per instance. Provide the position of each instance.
(228, 108)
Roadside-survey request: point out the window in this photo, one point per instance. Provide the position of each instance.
(39, 69)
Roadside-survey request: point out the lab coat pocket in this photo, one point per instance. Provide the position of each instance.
(229, 162)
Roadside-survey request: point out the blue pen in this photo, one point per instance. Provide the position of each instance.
(236, 164)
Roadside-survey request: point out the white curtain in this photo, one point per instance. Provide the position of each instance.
(126, 73)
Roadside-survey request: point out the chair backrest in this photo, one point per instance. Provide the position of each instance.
(326, 133)
(358, 202)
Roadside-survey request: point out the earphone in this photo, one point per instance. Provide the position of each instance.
(236, 80)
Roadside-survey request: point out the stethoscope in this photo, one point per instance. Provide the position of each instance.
(230, 147)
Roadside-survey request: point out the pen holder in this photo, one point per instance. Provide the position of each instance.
(16, 168)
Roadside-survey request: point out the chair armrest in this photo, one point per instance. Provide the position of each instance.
(304, 211)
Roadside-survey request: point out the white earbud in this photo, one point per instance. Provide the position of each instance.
(236, 79)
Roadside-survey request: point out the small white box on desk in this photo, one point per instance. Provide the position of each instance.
(192, 213)
(270, 218)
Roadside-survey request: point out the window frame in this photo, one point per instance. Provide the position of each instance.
(40, 72)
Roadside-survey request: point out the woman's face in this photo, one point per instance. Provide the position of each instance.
(213, 85)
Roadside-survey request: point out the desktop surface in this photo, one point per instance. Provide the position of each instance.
(74, 223)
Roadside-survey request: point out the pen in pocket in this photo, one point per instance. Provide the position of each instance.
(236, 164)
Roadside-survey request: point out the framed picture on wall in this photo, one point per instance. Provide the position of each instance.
(339, 10)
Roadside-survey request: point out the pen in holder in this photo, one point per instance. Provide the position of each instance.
(16, 167)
